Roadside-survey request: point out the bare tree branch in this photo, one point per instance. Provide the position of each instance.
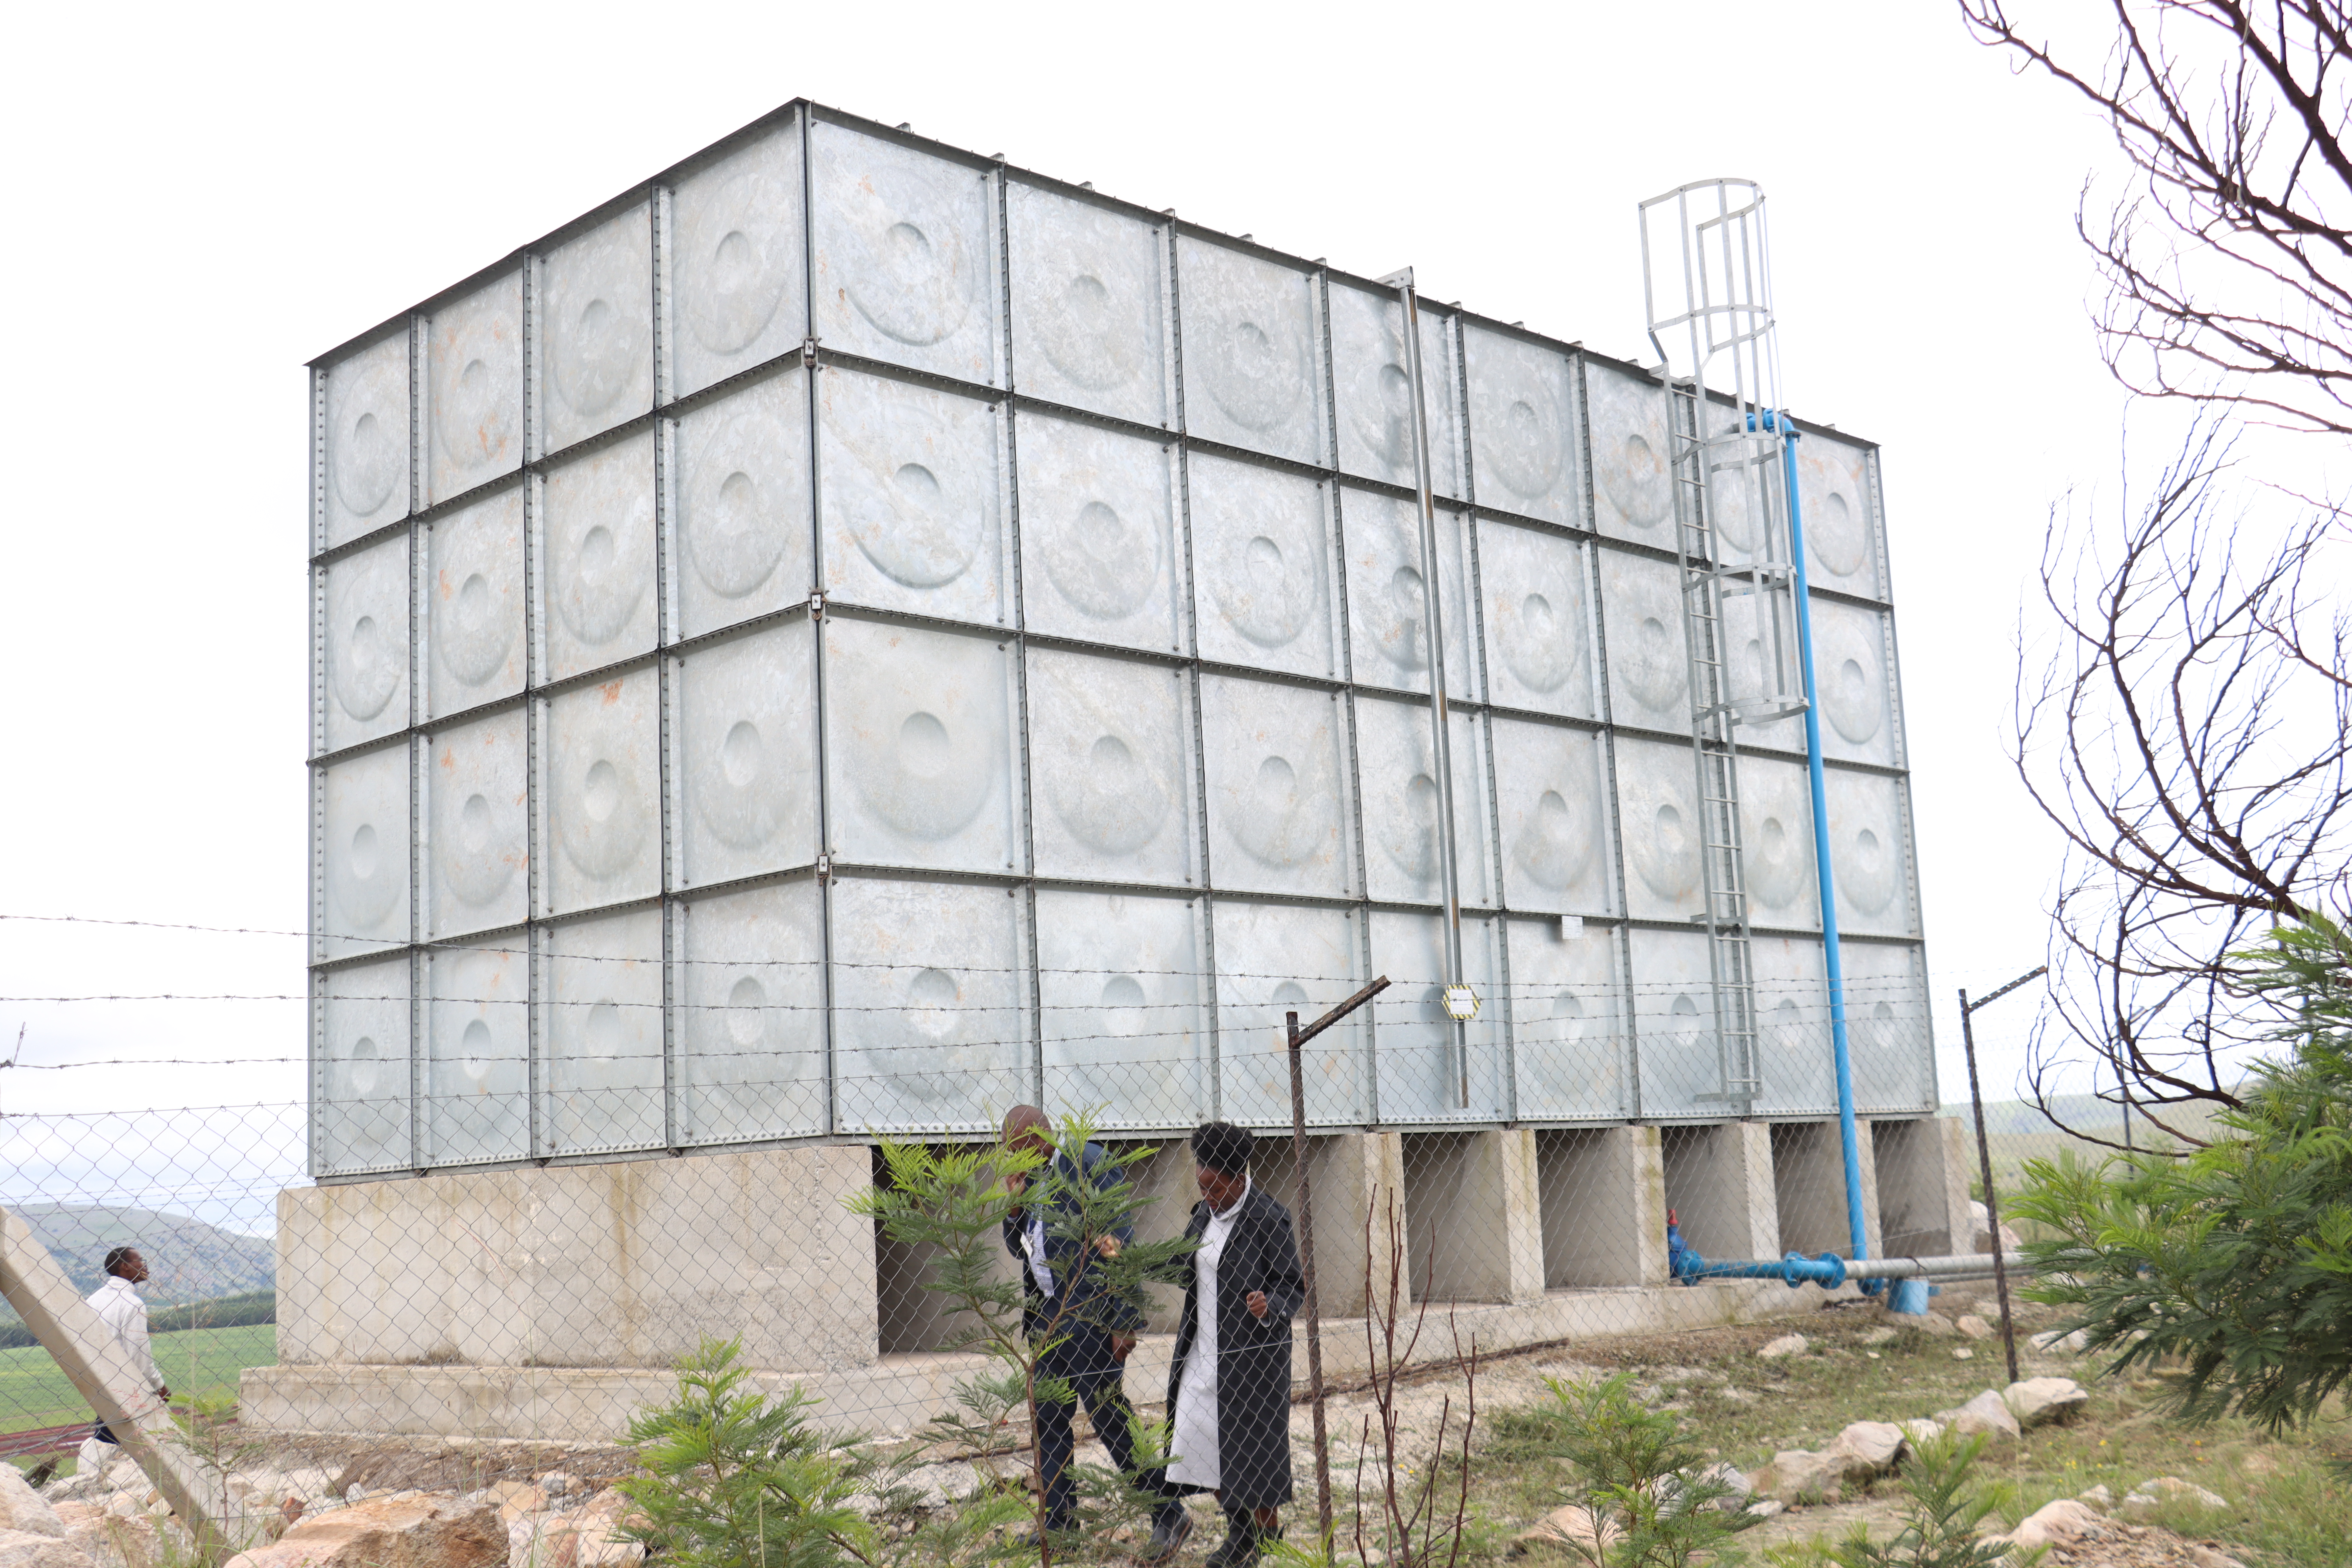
(2230, 273)
(2195, 753)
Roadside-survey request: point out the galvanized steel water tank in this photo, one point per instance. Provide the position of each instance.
(850, 635)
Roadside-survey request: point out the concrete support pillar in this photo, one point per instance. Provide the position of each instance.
(629, 1264)
(1355, 1178)
(1924, 1165)
(1602, 1193)
(1473, 1221)
(1809, 1183)
(1718, 1182)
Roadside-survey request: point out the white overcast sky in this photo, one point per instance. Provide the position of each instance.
(206, 197)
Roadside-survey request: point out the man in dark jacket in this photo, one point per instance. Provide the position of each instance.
(1229, 1391)
(1064, 1300)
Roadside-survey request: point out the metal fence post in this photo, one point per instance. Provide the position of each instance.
(1984, 1163)
(1303, 1196)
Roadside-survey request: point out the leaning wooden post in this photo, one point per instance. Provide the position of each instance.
(86, 1351)
(1305, 1209)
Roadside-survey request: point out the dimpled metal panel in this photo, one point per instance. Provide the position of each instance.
(1126, 1025)
(753, 1062)
(1372, 384)
(1276, 815)
(1261, 567)
(367, 852)
(741, 281)
(478, 1075)
(918, 747)
(479, 830)
(1649, 662)
(1524, 441)
(742, 500)
(1087, 291)
(605, 1034)
(1018, 696)
(597, 557)
(367, 645)
(1886, 1014)
(1099, 556)
(1841, 545)
(929, 1022)
(1673, 1022)
(599, 315)
(473, 387)
(746, 756)
(367, 441)
(912, 483)
(360, 1116)
(1793, 1029)
(1657, 793)
(1273, 959)
(1632, 494)
(1550, 800)
(1850, 668)
(603, 794)
(1253, 351)
(1420, 1066)
(1776, 829)
(1870, 855)
(1567, 1032)
(1538, 626)
(361, 1108)
(903, 243)
(1387, 603)
(1108, 741)
(474, 599)
(1398, 778)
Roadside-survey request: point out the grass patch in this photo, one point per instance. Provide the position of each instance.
(195, 1363)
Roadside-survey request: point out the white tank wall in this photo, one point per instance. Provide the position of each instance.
(1112, 737)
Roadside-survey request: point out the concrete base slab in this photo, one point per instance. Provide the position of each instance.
(593, 1405)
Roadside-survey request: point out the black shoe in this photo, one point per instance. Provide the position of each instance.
(1242, 1545)
(1172, 1527)
(1061, 1533)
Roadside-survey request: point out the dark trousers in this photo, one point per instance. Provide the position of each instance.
(1083, 1361)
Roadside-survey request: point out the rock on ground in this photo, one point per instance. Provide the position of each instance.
(2039, 1401)
(24, 1549)
(1987, 1413)
(25, 1510)
(1922, 1430)
(1870, 1448)
(1785, 1345)
(1797, 1475)
(1931, 1323)
(1981, 1230)
(406, 1530)
(2149, 1494)
(2098, 1496)
(592, 1538)
(2056, 1523)
(127, 1540)
(2073, 1344)
(1972, 1326)
(1569, 1526)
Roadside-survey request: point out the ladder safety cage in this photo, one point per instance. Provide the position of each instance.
(1708, 299)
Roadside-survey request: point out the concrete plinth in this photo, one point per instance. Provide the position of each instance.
(1355, 1178)
(1809, 1187)
(626, 1265)
(898, 1393)
(1719, 1184)
(1602, 1196)
(1472, 1220)
(1922, 1186)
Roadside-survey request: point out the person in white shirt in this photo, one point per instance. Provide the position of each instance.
(1229, 1388)
(119, 1306)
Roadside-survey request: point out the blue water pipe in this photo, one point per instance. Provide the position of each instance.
(1849, 1136)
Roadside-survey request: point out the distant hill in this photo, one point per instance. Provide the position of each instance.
(187, 1259)
(2013, 1118)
